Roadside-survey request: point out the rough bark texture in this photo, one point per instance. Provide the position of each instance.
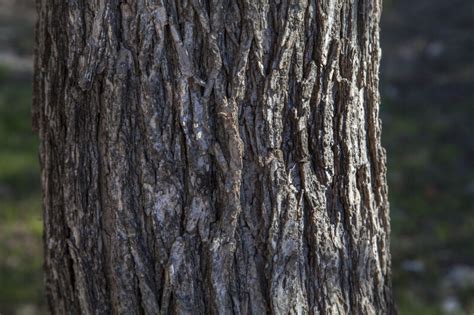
(212, 157)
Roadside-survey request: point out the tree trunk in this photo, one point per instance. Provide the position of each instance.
(212, 157)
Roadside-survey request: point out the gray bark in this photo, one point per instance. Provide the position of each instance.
(212, 157)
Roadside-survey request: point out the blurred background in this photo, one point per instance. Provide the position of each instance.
(427, 86)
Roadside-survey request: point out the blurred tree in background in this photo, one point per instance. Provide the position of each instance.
(427, 112)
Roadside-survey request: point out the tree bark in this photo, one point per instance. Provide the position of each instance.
(212, 157)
